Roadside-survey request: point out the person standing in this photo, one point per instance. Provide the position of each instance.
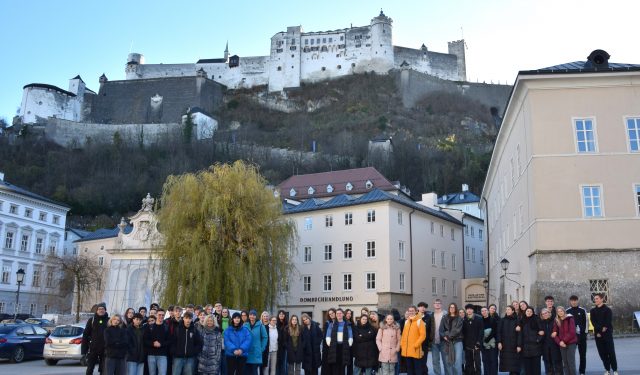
(294, 346)
(601, 318)
(388, 342)
(237, 341)
(365, 350)
(437, 344)
(156, 343)
(135, 346)
(549, 302)
(185, 346)
(413, 335)
(451, 333)
(426, 318)
(211, 354)
(564, 333)
(93, 339)
(508, 342)
(489, 350)
(580, 318)
(312, 341)
(550, 349)
(115, 347)
(329, 318)
(472, 339)
(270, 354)
(258, 343)
(339, 339)
(531, 338)
(282, 353)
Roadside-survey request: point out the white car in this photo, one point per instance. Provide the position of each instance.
(65, 342)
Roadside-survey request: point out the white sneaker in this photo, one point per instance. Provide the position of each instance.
(615, 373)
(606, 373)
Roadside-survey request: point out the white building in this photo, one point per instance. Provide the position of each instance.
(363, 242)
(41, 101)
(32, 230)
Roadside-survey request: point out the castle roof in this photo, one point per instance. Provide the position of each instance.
(211, 61)
(4, 185)
(49, 87)
(104, 233)
(78, 77)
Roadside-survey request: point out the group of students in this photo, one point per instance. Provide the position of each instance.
(210, 341)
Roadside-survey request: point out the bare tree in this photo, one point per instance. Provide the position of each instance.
(80, 275)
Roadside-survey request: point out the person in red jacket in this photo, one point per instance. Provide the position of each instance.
(564, 333)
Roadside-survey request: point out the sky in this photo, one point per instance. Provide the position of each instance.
(51, 41)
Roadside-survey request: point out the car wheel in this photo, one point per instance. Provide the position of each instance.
(18, 354)
(51, 362)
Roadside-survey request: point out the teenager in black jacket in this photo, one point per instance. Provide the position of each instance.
(580, 317)
(531, 336)
(601, 317)
(93, 338)
(473, 336)
(135, 349)
(115, 346)
(156, 343)
(185, 346)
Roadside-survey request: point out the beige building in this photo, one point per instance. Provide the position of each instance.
(563, 187)
(364, 242)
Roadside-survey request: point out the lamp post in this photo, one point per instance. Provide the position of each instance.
(485, 283)
(19, 279)
(504, 264)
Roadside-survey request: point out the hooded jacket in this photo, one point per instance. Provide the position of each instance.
(135, 344)
(312, 340)
(413, 334)
(186, 342)
(566, 331)
(237, 338)
(211, 353)
(388, 342)
(365, 350)
(93, 335)
(530, 340)
(258, 342)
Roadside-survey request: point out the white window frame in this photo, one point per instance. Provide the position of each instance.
(472, 232)
(39, 244)
(36, 277)
(347, 247)
(347, 282)
(307, 254)
(42, 216)
(371, 215)
(370, 278)
(327, 283)
(582, 200)
(9, 239)
(434, 257)
(401, 252)
(49, 279)
(443, 287)
(453, 234)
(454, 288)
(467, 254)
(24, 242)
(371, 249)
(306, 283)
(473, 254)
(329, 253)
(434, 286)
(480, 234)
(308, 223)
(443, 259)
(13, 209)
(454, 262)
(574, 122)
(401, 281)
(6, 274)
(348, 218)
(400, 218)
(101, 261)
(433, 227)
(328, 221)
(636, 120)
(441, 230)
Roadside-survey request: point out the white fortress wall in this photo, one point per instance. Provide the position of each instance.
(143, 71)
(38, 102)
(252, 71)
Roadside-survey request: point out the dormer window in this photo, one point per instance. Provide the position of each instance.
(369, 184)
(349, 187)
(329, 189)
(292, 192)
(311, 190)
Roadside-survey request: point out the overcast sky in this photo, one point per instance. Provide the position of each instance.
(51, 41)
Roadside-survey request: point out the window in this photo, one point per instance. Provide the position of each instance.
(472, 231)
(399, 217)
(308, 223)
(434, 286)
(402, 281)
(454, 288)
(28, 212)
(306, 283)
(307, 254)
(311, 190)
(6, 274)
(591, 201)
(585, 135)
(328, 252)
(24, 244)
(45, 309)
(444, 287)
(2, 307)
(13, 209)
(481, 256)
(8, 240)
(306, 42)
(441, 230)
(371, 216)
(36, 278)
(454, 264)
(39, 244)
(43, 216)
(599, 286)
(346, 281)
(371, 249)
(401, 254)
(328, 221)
(52, 246)
(480, 234)
(466, 253)
(56, 220)
(633, 132)
(637, 188)
(99, 283)
(326, 283)
(473, 254)
(432, 227)
(466, 230)
(371, 280)
(49, 279)
(32, 309)
(453, 234)
(348, 218)
(348, 251)
(443, 262)
(101, 261)
(433, 257)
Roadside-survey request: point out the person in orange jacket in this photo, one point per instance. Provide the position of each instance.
(413, 335)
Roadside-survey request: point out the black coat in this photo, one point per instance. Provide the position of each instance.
(365, 349)
(185, 342)
(93, 335)
(116, 340)
(312, 339)
(295, 354)
(154, 332)
(332, 350)
(472, 332)
(530, 341)
(508, 337)
(135, 344)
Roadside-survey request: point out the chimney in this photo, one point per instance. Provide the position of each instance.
(430, 200)
(465, 187)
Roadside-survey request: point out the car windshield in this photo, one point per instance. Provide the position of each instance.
(67, 331)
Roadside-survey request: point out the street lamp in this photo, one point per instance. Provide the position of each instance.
(485, 283)
(504, 263)
(19, 279)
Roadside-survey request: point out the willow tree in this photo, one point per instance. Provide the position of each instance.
(225, 238)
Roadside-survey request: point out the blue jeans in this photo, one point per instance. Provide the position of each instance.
(157, 364)
(183, 366)
(455, 368)
(359, 370)
(135, 368)
(436, 355)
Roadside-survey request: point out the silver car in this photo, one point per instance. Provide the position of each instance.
(65, 342)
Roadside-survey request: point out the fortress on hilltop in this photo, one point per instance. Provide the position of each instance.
(297, 57)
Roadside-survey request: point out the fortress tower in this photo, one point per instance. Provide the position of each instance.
(458, 48)
(133, 61)
(382, 43)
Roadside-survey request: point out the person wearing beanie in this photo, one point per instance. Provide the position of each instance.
(93, 338)
(237, 341)
(135, 343)
(258, 343)
(473, 337)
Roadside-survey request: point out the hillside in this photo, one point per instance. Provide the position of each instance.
(443, 141)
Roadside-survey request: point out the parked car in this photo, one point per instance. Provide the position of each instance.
(64, 342)
(12, 321)
(20, 341)
(42, 323)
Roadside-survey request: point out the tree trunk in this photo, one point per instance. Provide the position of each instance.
(78, 300)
